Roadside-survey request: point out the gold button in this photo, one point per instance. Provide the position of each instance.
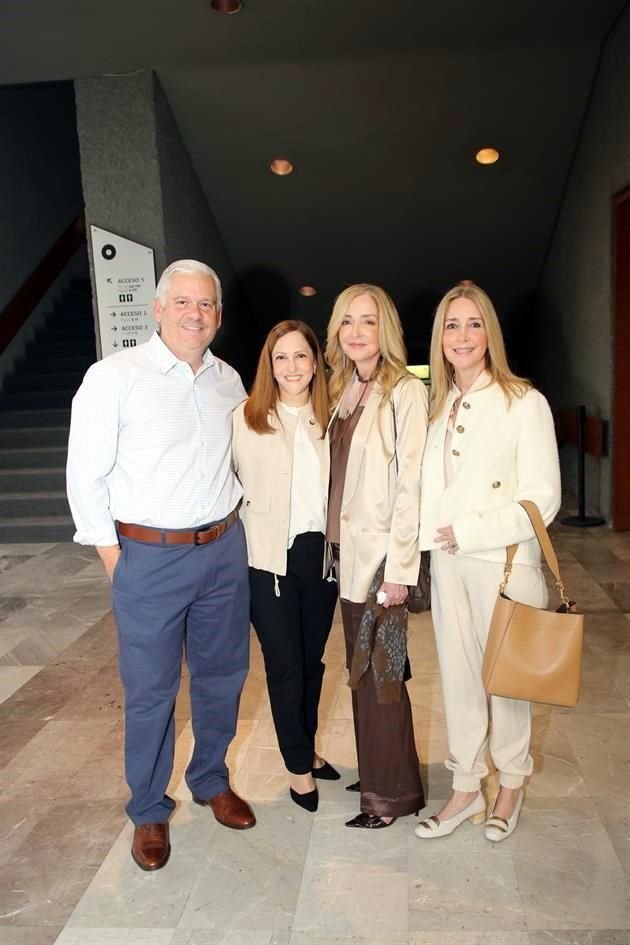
(466, 405)
(496, 484)
(455, 452)
(460, 429)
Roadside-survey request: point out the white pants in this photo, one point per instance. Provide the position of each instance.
(463, 594)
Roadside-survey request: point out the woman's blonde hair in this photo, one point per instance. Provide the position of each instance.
(442, 371)
(393, 364)
(263, 398)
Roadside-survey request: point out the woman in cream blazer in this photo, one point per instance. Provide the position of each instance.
(377, 434)
(491, 443)
(280, 455)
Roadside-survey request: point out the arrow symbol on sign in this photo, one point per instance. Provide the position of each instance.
(109, 281)
(114, 344)
(114, 328)
(113, 314)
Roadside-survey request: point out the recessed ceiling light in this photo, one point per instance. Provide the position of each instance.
(281, 167)
(487, 156)
(307, 291)
(226, 6)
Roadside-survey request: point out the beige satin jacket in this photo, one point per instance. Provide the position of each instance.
(499, 455)
(381, 496)
(264, 464)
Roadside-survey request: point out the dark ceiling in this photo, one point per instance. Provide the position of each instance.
(381, 107)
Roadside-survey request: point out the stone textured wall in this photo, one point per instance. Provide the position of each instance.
(119, 158)
(576, 350)
(139, 182)
(40, 183)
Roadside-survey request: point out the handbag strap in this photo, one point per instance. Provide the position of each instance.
(544, 541)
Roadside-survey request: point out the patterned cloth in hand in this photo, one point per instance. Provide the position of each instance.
(381, 645)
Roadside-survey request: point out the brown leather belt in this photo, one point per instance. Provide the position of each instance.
(167, 536)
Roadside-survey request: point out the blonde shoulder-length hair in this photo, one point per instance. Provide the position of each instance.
(263, 399)
(393, 364)
(442, 371)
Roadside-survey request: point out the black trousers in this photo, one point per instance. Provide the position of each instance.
(293, 629)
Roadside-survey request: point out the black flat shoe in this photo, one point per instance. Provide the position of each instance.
(354, 787)
(369, 821)
(326, 773)
(308, 801)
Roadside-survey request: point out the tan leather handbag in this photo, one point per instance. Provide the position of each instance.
(534, 654)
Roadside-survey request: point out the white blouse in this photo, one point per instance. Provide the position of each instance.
(308, 503)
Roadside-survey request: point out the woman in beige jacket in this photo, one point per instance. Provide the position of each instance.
(491, 443)
(377, 435)
(280, 455)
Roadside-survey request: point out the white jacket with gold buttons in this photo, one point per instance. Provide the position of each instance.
(264, 464)
(500, 454)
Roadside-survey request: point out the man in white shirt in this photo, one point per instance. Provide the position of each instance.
(151, 486)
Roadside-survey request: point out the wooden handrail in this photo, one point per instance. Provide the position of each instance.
(39, 281)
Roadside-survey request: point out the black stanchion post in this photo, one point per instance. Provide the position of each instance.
(581, 520)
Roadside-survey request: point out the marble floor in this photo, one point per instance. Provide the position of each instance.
(66, 875)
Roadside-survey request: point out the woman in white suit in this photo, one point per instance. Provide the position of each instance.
(491, 443)
(377, 435)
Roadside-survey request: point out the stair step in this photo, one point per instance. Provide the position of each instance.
(78, 292)
(33, 480)
(35, 419)
(45, 351)
(25, 504)
(28, 419)
(59, 333)
(47, 528)
(44, 382)
(77, 364)
(81, 284)
(38, 458)
(15, 438)
(35, 399)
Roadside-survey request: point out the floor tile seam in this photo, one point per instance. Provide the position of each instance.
(22, 700)
(613, 685)
(28, 619)
(34, 648)
(82, 646)
(66, 775)
(301, 886)
(531, 929)
(623, 869)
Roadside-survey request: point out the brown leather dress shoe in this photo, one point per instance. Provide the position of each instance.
(230, 810)
(151, 848)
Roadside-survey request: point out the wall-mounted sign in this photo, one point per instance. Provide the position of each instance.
(125, 289)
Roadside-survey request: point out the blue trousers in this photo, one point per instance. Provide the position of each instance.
(166, 598)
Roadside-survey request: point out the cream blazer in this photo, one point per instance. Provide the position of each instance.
(499, 456)
(264, 464)
(381, 494)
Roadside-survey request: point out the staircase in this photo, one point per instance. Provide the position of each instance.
(35, 419)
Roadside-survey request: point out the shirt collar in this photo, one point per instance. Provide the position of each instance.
(165, 357)
(296, 411)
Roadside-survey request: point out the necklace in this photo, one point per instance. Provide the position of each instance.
(353, 395)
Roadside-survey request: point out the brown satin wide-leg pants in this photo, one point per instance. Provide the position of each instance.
(389, 770)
